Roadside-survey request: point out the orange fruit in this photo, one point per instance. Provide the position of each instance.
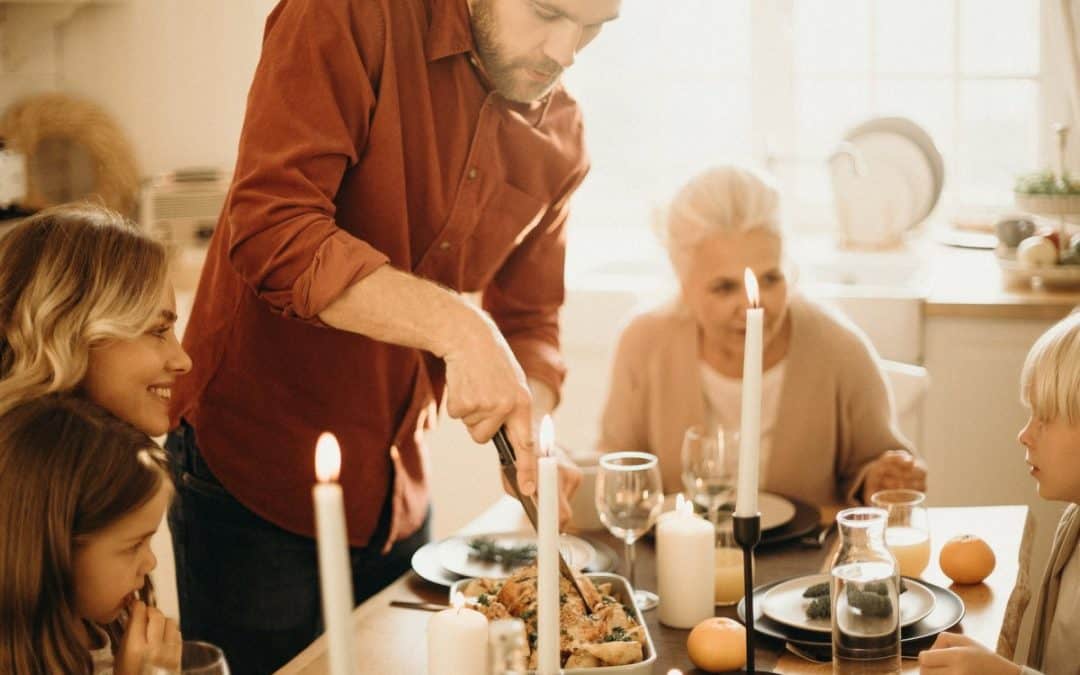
(966, 559)
(718, 644)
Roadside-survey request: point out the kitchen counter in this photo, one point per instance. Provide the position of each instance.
(968, 283)
(960, 282)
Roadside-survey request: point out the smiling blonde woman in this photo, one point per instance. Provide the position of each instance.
(86, 304)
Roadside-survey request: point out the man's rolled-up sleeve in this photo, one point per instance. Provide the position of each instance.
(307, 121)
(527, 293)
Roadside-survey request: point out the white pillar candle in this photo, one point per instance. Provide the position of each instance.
(750, 427)
(685, 567)
(335, 576)
(457, 641)
(548, 654)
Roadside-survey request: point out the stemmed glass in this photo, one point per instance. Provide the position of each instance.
(629, 497)
(708, 470)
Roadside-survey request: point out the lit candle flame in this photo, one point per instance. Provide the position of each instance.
(458, 601)
(752, 294)
(674, 671)
(683, 507)
(327, 458)
(547, 436)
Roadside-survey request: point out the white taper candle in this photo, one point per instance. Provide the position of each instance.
(746, 503)
(548, 657)
(335, 575)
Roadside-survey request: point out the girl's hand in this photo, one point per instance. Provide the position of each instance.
(954, 654)
(150, 638)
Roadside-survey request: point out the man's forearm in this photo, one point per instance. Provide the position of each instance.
(392, 306)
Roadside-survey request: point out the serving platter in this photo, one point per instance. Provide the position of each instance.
(621, 591)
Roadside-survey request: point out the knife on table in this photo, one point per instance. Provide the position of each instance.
(508, 462)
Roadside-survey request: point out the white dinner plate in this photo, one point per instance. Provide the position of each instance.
(785, 603)
(917, 135)
(455, 554)
(775, 510)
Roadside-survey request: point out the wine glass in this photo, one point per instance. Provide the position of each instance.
(629, 497)
(907, 534)
(708, 470)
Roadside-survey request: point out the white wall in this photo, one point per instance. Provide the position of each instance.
(174, 74)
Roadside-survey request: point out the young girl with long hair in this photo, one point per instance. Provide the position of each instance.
(86, 305)
(81, 493)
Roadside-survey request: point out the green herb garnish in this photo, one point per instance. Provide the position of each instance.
(488, 550)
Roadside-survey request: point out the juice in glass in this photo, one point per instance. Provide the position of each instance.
(729, 575)
(911, 548)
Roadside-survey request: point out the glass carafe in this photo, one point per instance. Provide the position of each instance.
(865, 597)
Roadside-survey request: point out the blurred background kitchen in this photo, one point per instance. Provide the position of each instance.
(897, 129)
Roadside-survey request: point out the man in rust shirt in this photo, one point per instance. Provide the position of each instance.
(395, 154)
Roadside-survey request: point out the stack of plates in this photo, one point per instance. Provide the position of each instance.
(780, 611)
(782, 518)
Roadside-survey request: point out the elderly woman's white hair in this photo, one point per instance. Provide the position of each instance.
(720, 199)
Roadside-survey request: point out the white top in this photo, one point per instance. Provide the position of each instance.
(723, 396)
(1064, 634)
(102, 657)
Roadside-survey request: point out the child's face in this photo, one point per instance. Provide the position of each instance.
(1053, 457)
(133, 379)
(111, 565)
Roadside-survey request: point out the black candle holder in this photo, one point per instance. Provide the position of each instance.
(747, 531)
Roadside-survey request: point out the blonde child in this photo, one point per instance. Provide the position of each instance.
(1050, 387)
(86, 306)
(81, 493)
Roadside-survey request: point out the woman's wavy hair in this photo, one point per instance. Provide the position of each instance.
(68, 469)
(71, 277)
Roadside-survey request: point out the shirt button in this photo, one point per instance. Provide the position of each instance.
(473, 173)
(444, 245)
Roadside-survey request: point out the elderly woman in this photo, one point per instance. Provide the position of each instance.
(828, 431)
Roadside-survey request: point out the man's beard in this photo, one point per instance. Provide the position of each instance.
(507, 75)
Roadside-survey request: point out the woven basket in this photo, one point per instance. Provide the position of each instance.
(26, 124)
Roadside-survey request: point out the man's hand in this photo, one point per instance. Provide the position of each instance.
(149, 637)
(486, 389)
(894, 469)
(569, 481)
(953, 654)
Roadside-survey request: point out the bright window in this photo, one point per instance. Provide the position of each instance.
(673, 87)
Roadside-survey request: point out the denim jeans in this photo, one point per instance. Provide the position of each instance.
(247, 585)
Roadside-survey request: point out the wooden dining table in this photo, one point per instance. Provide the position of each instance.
(388, 639)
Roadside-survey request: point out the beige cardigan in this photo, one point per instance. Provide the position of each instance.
(1066, 540)
(835, 413)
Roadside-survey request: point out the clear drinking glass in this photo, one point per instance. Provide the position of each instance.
(907, 533)
(629, 497)
(196, 658)
(709, 463)
(865, 597)
(730, 585)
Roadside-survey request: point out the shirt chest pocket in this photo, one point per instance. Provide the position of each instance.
(502, 222)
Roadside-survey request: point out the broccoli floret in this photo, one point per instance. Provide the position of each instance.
(819, 608)
(817, 590)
